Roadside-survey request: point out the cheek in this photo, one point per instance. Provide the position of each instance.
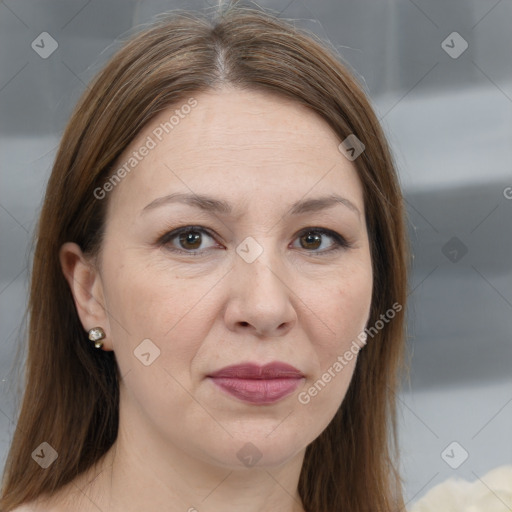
(145, 302)
(152, 312)
(344, 307)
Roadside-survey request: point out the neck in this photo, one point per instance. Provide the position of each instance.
(149, 475)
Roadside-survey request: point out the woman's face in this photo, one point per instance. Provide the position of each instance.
(246, 286)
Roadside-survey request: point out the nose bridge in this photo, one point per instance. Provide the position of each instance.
(261, 296)
(258, 265)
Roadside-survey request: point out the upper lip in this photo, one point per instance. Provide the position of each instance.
(275, 370)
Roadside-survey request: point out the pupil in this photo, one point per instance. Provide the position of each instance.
(192, 237)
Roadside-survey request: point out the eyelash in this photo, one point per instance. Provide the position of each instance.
(164, 240)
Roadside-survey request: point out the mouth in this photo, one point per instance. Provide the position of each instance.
(255, 384)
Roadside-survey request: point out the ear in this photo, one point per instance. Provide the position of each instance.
(87, 288)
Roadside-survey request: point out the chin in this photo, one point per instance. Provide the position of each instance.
(258, 450)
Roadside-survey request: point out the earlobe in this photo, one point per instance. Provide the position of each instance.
(86, 286)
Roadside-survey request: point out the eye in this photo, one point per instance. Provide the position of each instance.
(312, 239)
(188, 239)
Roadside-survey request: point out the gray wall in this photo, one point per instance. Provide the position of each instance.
(449, 120)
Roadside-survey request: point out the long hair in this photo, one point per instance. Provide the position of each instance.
(71, 394)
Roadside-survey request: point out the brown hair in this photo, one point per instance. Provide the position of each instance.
(71, 390)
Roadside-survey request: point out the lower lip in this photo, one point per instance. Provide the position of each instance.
(258, 391)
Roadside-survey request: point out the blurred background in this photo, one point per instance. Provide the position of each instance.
(439, 74)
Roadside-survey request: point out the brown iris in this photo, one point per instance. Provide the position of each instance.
(192, 238)
(311, 238)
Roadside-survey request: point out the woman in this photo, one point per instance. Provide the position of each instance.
(219, 283)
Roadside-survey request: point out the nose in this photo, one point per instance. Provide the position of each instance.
(260, 299)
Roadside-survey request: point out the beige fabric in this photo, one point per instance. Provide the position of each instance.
(491, 493)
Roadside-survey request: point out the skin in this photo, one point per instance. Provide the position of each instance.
(179, 434)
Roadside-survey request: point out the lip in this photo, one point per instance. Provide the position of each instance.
(256, 384)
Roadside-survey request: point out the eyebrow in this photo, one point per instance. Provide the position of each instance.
(211, 204)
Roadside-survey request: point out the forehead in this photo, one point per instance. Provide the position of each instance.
(244, 141)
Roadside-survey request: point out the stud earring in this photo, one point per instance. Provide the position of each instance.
(96, 334)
